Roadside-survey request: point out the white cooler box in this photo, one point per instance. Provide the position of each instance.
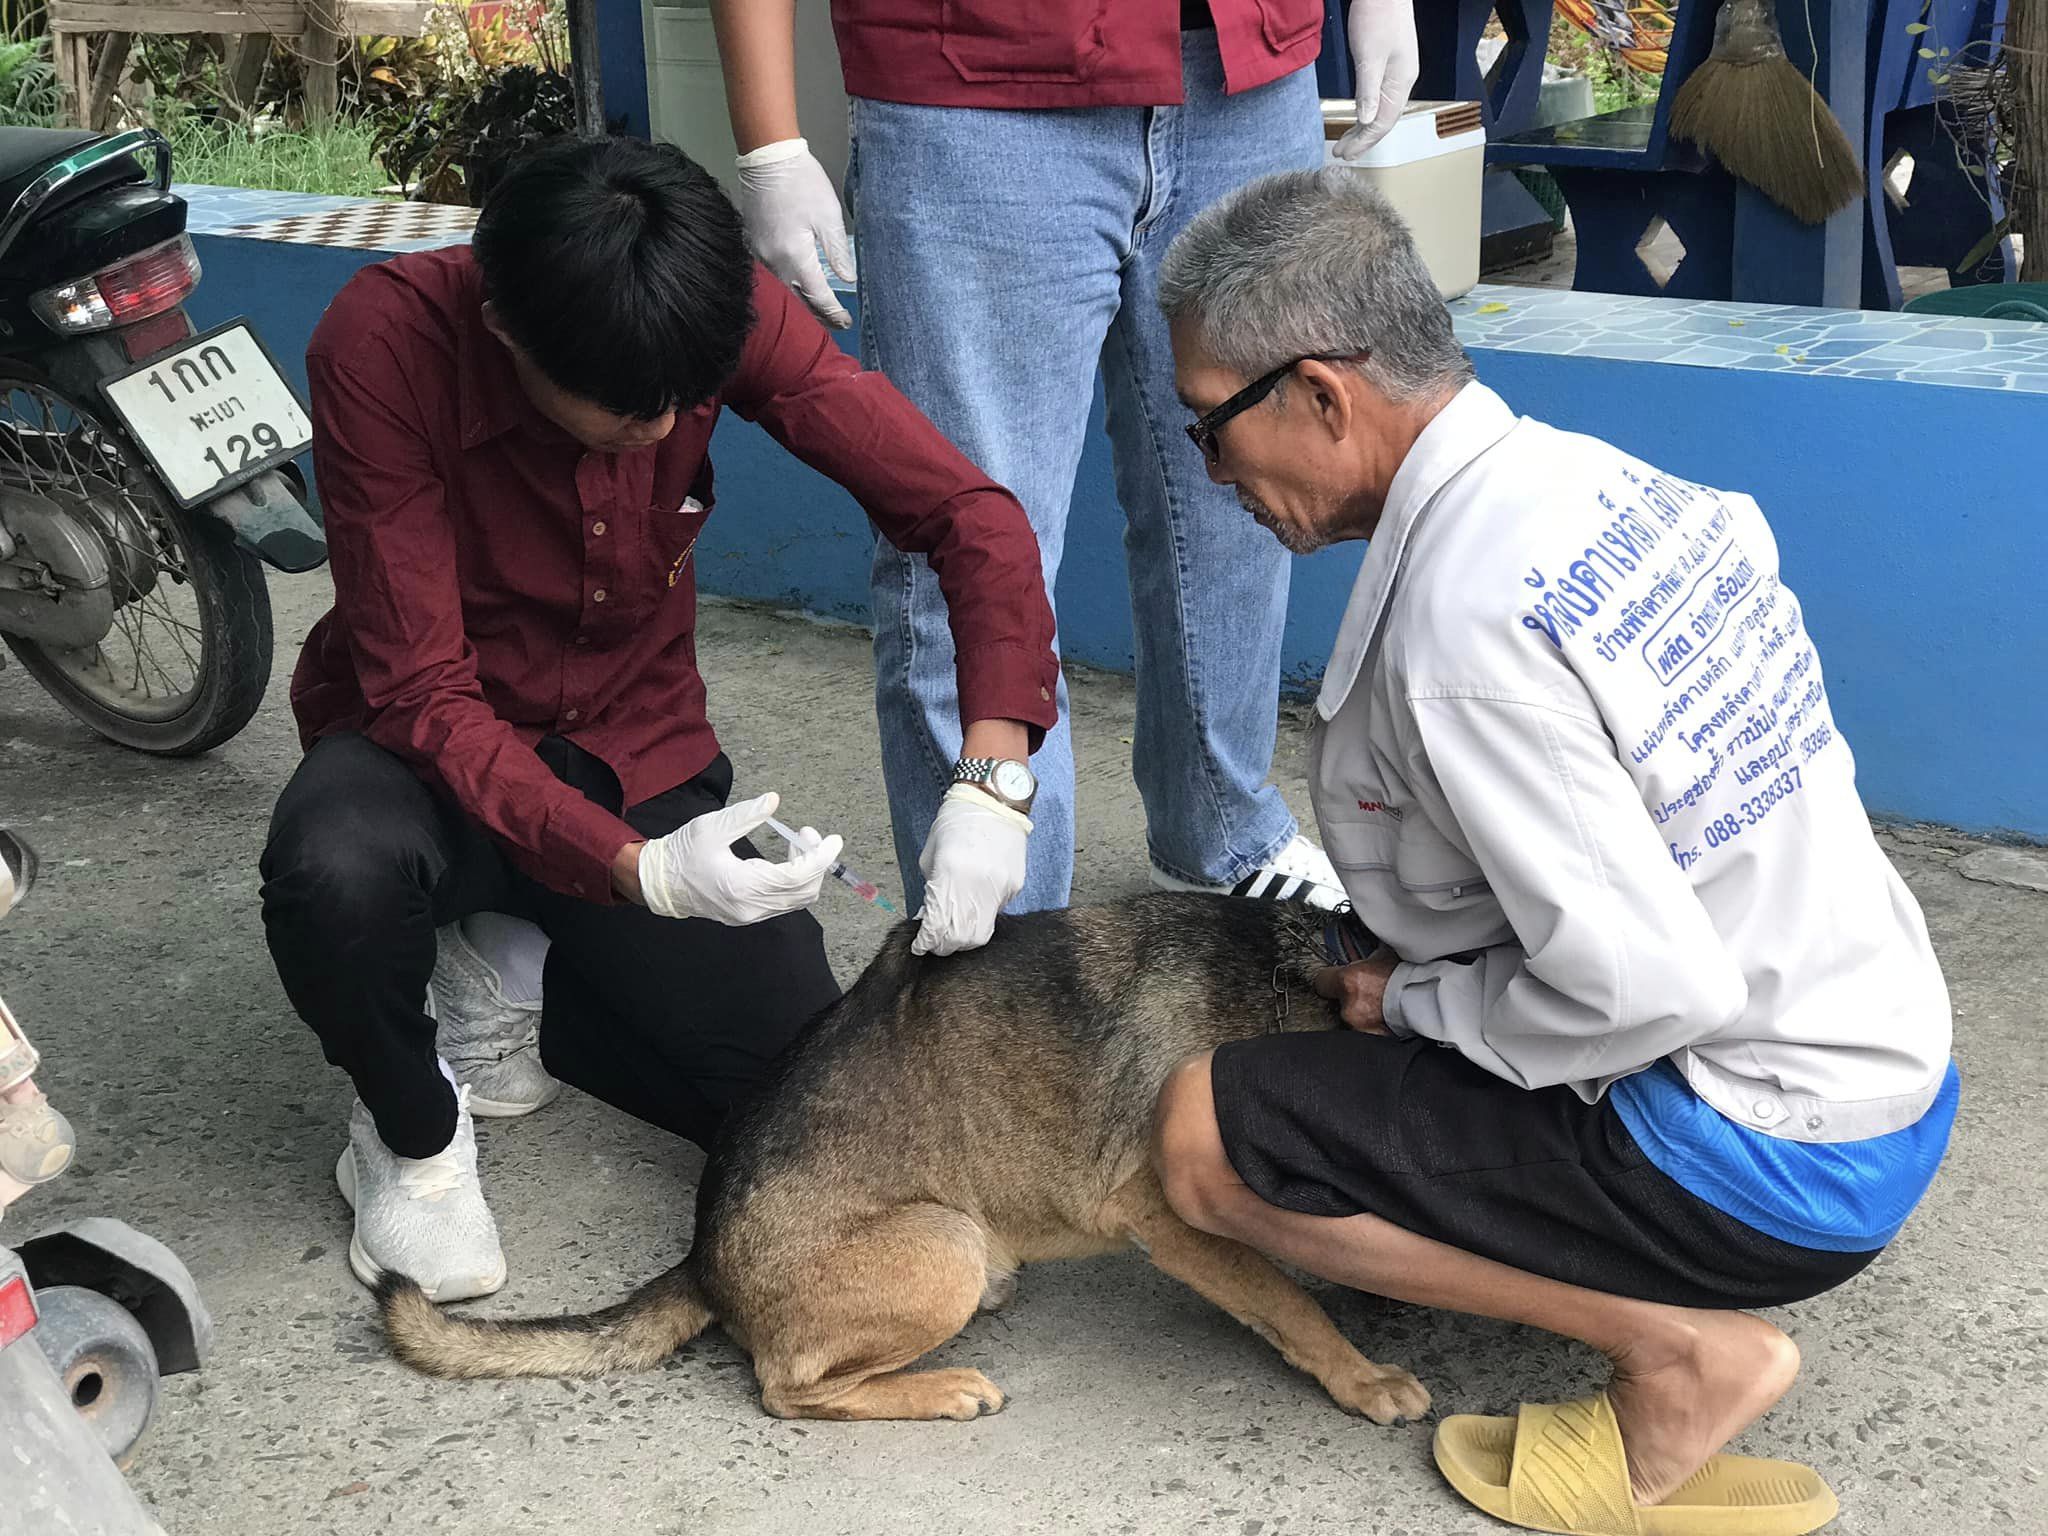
(1429, 168)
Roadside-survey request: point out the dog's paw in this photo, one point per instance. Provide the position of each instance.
(1383, 1393)
(961, 1394)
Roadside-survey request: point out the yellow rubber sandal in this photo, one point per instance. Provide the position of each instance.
(1561, 1468)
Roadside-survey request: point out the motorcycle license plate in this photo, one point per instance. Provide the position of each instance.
(211, 414)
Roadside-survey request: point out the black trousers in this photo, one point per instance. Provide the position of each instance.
(673, 1021)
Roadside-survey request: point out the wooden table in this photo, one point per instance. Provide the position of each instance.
(314, 29)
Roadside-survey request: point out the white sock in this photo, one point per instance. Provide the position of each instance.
(516, 949)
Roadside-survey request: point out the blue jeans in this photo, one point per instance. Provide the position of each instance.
(1004, 256)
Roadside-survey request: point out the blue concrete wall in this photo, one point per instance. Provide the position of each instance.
(1910, 516)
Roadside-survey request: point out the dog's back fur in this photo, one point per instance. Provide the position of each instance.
(944, 1122)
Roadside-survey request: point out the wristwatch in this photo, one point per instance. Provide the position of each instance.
(1008, 781)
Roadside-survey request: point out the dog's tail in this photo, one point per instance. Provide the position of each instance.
(640, 1332)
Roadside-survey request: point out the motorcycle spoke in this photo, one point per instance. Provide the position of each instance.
(151, 662)
(177, 633)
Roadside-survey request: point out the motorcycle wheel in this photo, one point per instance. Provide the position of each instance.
(188, 659)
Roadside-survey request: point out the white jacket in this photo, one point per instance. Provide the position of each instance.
(1575, 765)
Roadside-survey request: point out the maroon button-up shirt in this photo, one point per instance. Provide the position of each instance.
(1059, 53)
(496, 582)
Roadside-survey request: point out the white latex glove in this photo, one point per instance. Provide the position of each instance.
(1384, 63)
(973, 862)
(790, 209)
(693, 872)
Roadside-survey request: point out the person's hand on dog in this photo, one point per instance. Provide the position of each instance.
(973, 862)
(693, 872)
(1359, 990)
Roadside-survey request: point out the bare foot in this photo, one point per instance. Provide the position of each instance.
(1683, 1395)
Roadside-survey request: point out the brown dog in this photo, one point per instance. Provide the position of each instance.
(945, 1122)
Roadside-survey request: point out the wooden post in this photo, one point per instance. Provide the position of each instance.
(2026, 49)
(74, 75)
(105, 79)
(321, 44)
(583, 67)
(246, 57)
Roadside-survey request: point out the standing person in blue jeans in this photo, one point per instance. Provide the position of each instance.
(1017, 173)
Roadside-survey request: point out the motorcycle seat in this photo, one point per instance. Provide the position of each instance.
(25, 153)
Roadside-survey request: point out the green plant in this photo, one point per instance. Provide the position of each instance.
(453, 145)
(1615, 83)
(335, 161)
(28, 83)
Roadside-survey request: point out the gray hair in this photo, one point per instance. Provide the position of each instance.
(1313, 263)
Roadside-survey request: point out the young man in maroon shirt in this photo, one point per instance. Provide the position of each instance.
(503, 710)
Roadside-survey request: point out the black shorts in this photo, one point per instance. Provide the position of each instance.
(1338, 1123)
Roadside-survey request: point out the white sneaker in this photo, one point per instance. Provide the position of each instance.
(1299, 872)
(424, 1217)
(490, 1038)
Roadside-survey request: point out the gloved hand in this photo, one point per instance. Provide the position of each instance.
(1384, 63)
(973, 862)
(789, 208)
(693, 872)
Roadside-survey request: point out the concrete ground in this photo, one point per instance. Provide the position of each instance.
(207, 1118)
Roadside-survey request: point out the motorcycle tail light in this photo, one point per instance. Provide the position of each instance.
(17, 1310)
(136, 288)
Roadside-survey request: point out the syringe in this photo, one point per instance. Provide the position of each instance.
(866, 890)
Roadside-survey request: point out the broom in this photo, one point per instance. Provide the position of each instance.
(1750, 108)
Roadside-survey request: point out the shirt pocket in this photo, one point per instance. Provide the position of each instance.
(672, 534)
(1289, 23)
(1055, 41)
(1434, 871)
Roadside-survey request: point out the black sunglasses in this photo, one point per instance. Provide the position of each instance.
(1202, 432)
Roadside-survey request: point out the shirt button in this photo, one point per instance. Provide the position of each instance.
(583, 639)
(597, 596)
(598, 528)
(1813, 1122)
(1043, 694)
(572, 714)
(1764, 1109)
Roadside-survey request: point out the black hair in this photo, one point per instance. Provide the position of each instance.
(619, 266)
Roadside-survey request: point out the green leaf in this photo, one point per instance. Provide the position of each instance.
(1916, 29)
(1981, 251)
(1926, 53)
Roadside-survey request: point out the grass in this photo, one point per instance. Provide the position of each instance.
(336, 161)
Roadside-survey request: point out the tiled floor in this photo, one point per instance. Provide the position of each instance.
(354, 223)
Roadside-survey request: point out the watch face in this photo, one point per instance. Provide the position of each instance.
(1013, 781)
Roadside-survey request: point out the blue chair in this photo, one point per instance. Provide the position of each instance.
(1622, 174)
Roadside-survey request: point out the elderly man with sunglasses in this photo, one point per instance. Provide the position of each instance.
(1653, 1034)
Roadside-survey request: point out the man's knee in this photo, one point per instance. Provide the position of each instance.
(1187, 1150)
(340, 869)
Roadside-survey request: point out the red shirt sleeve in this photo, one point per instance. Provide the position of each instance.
(922, 494)
(391, 548)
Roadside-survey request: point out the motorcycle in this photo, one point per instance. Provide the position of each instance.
(92, 1315)
(146, 472)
